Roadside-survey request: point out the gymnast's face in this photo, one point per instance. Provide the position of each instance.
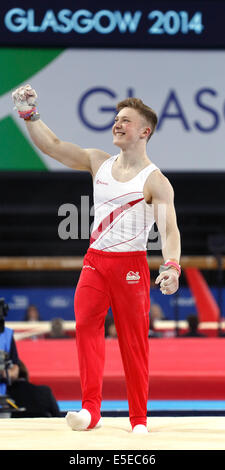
(129, 128)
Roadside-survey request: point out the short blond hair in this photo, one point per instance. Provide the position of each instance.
(145, 111)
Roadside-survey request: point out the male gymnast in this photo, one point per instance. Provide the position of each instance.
(129, 193)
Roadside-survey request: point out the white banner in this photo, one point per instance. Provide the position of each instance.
(78, 92)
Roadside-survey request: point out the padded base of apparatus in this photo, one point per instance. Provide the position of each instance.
(180, 368)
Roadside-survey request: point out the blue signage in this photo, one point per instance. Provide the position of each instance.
(59, 302)
(204, 99)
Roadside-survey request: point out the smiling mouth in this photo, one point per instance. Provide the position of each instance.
(119, 133)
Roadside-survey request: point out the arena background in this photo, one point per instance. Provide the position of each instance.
(82, 60)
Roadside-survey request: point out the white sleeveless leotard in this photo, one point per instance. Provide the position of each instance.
(122, 219)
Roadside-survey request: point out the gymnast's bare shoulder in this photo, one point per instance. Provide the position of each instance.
(97, 158)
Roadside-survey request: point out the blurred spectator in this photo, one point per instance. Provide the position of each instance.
(9, 372)
(110, 329)
(32, 314)
(155, 314)
(38, 400)
(193, 323)
(57, 329)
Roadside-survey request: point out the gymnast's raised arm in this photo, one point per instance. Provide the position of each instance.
(67, 153)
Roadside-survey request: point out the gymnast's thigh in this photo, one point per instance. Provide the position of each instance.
(91, 300)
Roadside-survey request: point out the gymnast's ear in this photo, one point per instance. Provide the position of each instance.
(146, 133)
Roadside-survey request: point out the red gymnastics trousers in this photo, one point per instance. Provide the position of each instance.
(120, 280)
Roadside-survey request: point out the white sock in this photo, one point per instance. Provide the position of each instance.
(79, 421)
(140, 429)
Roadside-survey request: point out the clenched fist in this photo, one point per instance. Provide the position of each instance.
(169, 281)
(24, 98)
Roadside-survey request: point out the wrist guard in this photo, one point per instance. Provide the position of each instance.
(168, 265)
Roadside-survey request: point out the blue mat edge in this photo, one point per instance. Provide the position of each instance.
(153, 405)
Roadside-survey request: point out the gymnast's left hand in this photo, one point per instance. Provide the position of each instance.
(168, 281)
